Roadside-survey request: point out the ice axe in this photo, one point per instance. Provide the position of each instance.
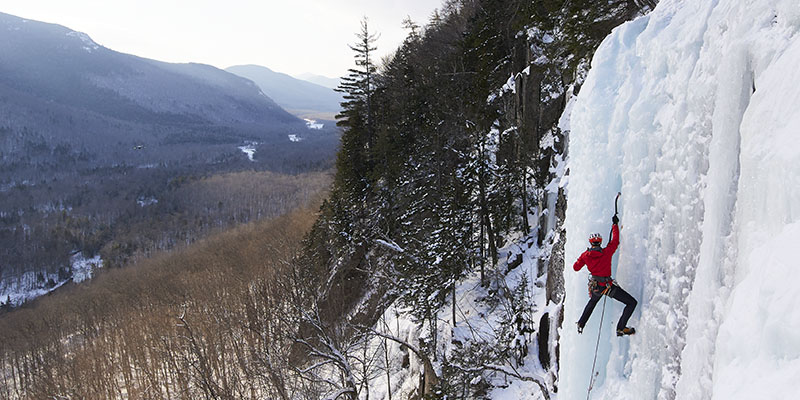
(616, 211)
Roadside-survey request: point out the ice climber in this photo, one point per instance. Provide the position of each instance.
(598, 261)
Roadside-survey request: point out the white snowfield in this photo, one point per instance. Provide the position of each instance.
(693, 113)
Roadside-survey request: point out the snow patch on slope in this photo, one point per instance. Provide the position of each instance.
(249, 149)
(30, 285)
(88, 44)
(313, 124)
(83, 268)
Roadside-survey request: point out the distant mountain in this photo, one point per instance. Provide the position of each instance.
(92, 139)
(298, 96)
(328, 82)
(50, 71)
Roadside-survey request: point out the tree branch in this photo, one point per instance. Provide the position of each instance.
(431, 379)
(499, 368)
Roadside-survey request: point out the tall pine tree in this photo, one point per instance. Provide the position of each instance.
(353, 162)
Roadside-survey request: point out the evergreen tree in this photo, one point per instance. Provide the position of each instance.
(359, 85)
(353, 161)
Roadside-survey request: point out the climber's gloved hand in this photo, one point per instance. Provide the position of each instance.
(614, 220)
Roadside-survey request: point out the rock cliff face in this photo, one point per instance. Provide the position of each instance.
(549, 63)
(457, 165)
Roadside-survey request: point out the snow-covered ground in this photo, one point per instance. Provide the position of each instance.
(83, 268)
(479, 314)
(32, 285)
(692, 113)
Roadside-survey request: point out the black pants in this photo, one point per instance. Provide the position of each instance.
(616, 293)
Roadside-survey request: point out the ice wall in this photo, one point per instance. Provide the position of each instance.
(693, 112)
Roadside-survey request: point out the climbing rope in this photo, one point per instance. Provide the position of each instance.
(606, 294)
(597, 346)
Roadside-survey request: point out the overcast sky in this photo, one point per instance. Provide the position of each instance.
(290, 36)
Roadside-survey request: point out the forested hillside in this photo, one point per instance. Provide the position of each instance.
(452, 165)
(207, 321)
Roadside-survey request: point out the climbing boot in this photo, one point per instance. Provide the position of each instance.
(626, 331)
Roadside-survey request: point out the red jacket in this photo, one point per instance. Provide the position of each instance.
(599, 261)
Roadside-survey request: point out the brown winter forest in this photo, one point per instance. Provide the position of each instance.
(205, 321)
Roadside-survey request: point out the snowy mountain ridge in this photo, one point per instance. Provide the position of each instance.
(88, 44)
(691, 113)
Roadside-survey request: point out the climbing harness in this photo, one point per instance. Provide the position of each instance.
(595, 281)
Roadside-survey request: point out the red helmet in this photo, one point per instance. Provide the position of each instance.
(595, 239)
